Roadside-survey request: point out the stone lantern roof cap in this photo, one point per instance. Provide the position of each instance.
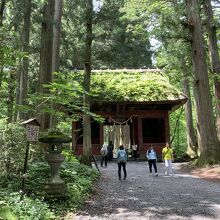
(54, 137)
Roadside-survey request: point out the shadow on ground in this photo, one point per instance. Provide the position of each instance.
(141, 196)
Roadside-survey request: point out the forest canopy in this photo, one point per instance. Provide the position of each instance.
(48, 52)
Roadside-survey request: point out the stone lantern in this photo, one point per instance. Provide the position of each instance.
(54, 140)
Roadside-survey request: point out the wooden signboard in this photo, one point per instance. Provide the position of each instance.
(32, 133)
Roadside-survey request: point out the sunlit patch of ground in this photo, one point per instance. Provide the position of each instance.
(211, 173)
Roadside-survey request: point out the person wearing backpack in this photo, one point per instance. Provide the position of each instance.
(122, 159)
(167, 156)
(152, 160)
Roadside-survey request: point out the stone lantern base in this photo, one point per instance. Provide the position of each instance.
(55, 187)
(55, 190)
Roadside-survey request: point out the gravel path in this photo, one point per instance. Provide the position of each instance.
(143, 197)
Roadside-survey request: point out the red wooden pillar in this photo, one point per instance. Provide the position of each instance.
(167, 128)
(140, 135)
(74, 136)
(101, 134)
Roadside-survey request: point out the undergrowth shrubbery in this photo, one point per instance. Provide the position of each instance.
(28, 208)
(78, 178)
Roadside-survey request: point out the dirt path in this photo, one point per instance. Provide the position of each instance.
(143, 197)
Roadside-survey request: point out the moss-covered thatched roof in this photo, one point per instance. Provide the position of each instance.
(132, 86)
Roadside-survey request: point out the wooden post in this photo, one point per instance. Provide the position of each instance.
(96, 164)
(32, 129)
(24, 170)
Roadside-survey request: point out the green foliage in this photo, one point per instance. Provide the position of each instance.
(12, 146)
(64, 102)
(69, 156)
(38, 174)
(78, 178)
(7, 52)
(6, 212)
(79, 170)
(119, 39)
(28, 208)
(10, 182)
(177, 131)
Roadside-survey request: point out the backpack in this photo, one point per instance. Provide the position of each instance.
(121, 156)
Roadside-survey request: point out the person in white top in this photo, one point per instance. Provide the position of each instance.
(152, 160)
(134, 150)
(104, 153)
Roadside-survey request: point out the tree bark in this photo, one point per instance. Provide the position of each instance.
(214, 55)
(23, 76)
(208, 145)
(45, 73)
(56, 48)
(87, 146)
(11, 96)
(56, 35)
(192, 146)
(2, 8)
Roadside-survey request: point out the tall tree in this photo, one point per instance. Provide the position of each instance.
(56, 35)
(23, 73)
(11, 95)
(207, 137)
(56, 47)
(45, 72)
(192, 146)
(2, 8)
(87, 146)
(173, 55)
(14, 27)
(213, 54)
(121, 40)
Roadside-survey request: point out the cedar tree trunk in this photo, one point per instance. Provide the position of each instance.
(45, 73)
(87, 146)
(213, 54)
(208, 145)
(23, 76)
(192, 146)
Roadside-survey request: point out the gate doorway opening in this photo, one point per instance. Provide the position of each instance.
(119, 135)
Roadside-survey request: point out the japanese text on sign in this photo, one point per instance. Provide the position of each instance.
(32, 132)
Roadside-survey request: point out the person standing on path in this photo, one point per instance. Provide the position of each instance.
(134, 151)
(152, 160)
(167, 156)
(110, 150)
(104, 153)
(122, 159)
